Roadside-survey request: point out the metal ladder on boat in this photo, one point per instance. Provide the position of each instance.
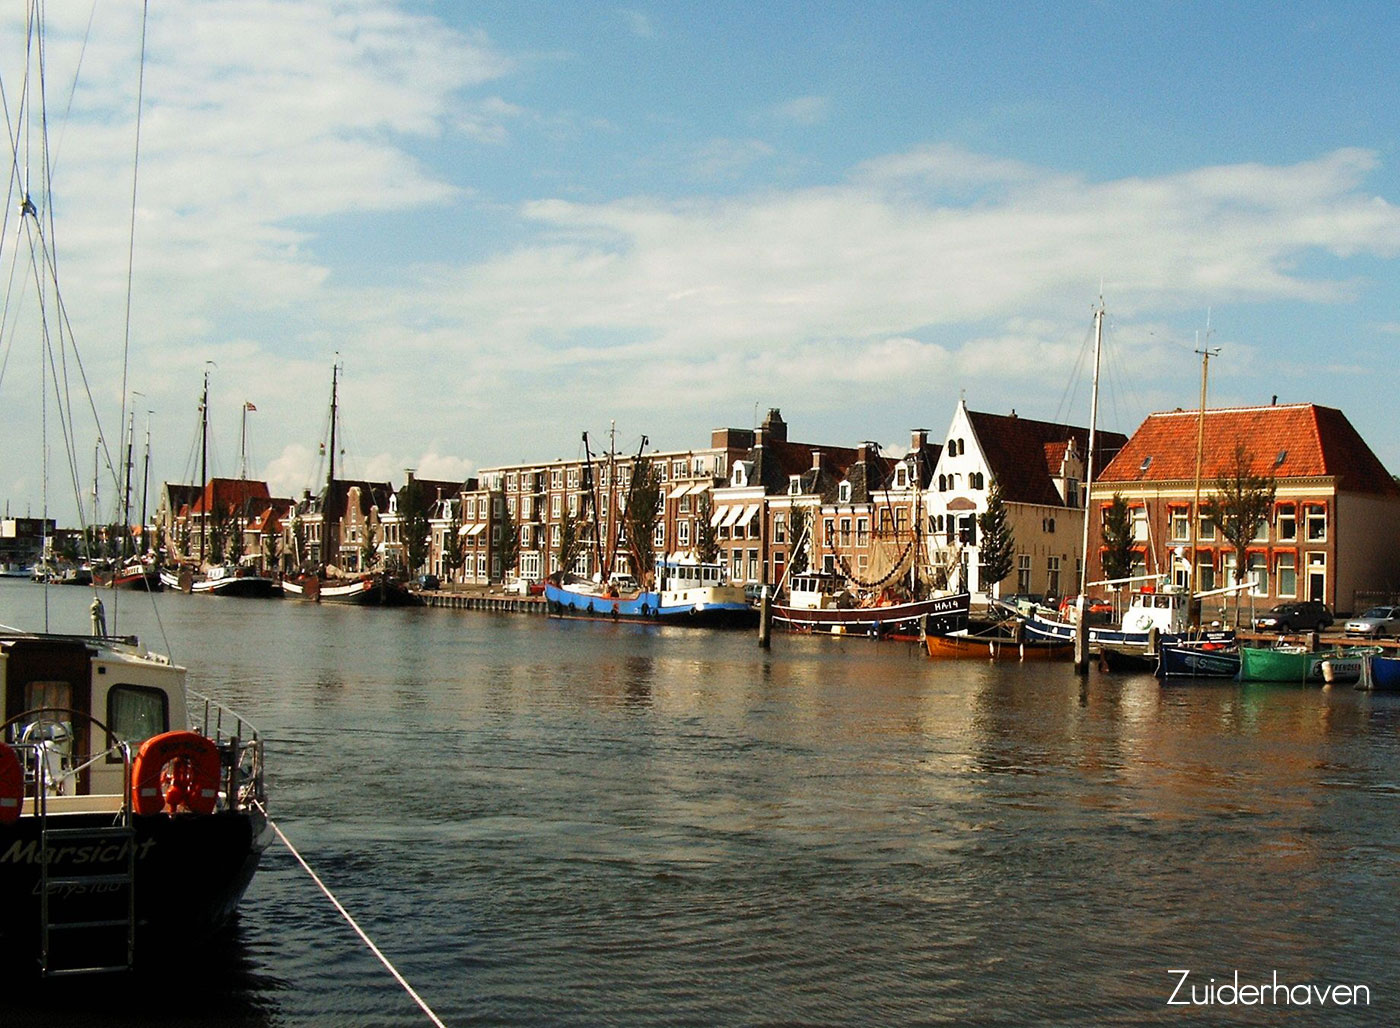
(81, 920)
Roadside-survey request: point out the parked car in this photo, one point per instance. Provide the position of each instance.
(1295, 617)
(1376, 623)
(428, 582)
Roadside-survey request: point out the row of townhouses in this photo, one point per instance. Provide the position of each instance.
(755, 496)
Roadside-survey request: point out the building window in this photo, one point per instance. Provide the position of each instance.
(794, 486)
(683, 534)
(1205, 573)
(1316, 514)
(1052, 578)
(1023, 573)
(1208, 529)
(843, 492)
(1259, 573)
(829, 529)
(1286, 574)
(1287, 523)
(845, 531)
(862, 531)
(1180, 525)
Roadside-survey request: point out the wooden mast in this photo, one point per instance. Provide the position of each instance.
(1081, 634)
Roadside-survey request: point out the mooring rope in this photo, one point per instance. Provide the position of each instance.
(358, 930)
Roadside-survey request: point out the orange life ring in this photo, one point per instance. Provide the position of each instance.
(11, 785)
(175, 771)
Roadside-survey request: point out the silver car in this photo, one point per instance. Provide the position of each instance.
(1375, 623)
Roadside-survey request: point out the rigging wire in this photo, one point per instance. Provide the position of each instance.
(364, 937)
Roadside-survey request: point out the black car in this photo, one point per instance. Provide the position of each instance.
(1295, 617)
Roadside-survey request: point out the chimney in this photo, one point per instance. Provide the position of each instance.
(816, 460)
(918, 439)
(774, 427)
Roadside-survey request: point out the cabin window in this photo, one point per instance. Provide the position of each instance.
(136, 712)
(1316, 514)
(1287, 523)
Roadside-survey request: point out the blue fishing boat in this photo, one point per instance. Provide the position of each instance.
(686, 592)
(1197, 660)
(1382, 674)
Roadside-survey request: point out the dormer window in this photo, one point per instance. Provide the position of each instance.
(795, 485)
(901, 477)
(843, 492)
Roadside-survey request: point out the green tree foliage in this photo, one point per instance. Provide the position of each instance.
(997, 552)
(1240, 503)
(413, 526)
(706, 536)
(800, 522)
(510, 542)
(454, 548)
(570, 542)
(1118, 542)
(369, 547)
(643, 509)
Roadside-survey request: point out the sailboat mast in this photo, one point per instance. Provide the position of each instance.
(1206, 355)
(1081, 636)
(126, 489)
(204, 467)
(146, 483)
(329, 527)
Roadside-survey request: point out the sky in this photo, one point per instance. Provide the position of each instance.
(509, 223)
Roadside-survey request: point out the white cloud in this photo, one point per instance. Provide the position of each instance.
(282, 142)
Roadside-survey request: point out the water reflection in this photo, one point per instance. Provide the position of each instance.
(556, 823)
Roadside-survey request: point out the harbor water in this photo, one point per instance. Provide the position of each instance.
(546, 823)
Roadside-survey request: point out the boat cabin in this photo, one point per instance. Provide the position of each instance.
(815, 590)
(1168, 611)
(76, 697)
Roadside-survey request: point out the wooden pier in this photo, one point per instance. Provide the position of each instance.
(493, 603)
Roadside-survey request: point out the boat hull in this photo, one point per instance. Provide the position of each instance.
(1178, 662)
(1267, 665)
(940, 614)
(370, 591)
(647, 605)
(971, 647)
(1384, 673)
(190, 873)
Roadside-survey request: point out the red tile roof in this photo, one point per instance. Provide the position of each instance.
(1020, 452)
(1292, 441)
(230, 494)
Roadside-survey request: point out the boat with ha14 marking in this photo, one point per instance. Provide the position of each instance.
(819, 601)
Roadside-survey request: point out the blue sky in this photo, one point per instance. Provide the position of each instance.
(518, 221)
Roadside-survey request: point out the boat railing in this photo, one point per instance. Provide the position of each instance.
(240, 749)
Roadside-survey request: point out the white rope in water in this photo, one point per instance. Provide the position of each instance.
(358, 930)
